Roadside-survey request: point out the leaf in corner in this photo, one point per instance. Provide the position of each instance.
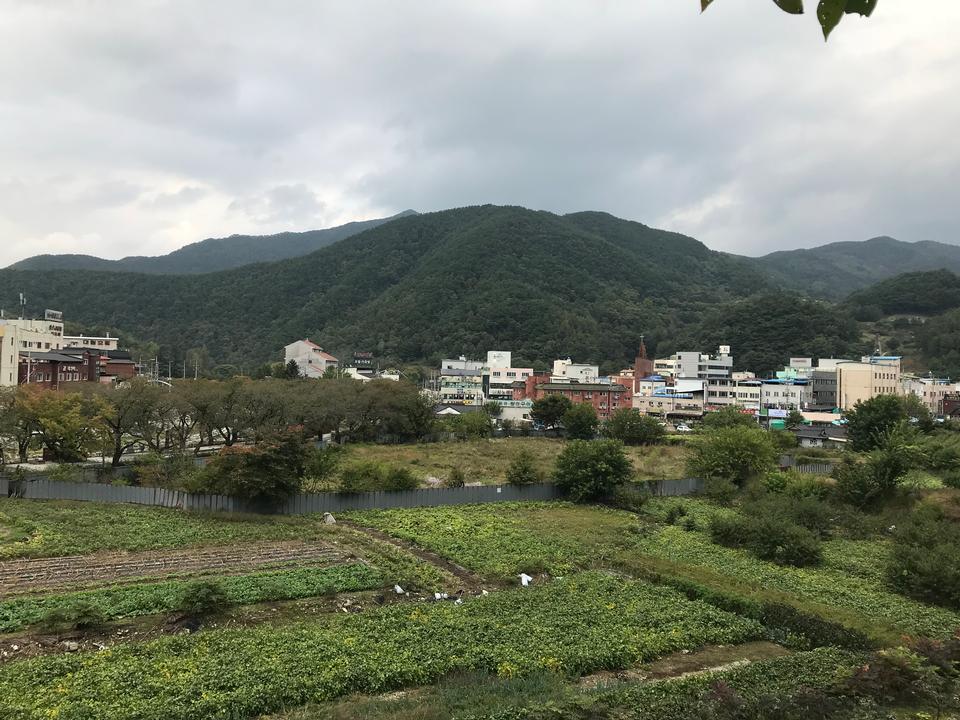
(794, 7)
(704, 4)
(829, 13)
(861, 7)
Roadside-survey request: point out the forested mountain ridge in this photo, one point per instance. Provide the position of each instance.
(835, 270)
(923, 293)
(212, 254)
(420, 287)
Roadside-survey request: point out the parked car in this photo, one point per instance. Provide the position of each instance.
(684, 428)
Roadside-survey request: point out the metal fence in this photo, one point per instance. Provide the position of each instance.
(815, 468)
(305, 503)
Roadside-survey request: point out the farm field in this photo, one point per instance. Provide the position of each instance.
(628, 615)
(486, 461)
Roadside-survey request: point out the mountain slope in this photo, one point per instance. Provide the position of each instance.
(213, 254)
(419, 287)
(833, 271)
(923, 293)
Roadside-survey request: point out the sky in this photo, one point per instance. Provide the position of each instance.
(137, 127)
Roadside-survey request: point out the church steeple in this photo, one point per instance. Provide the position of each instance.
(642, 365)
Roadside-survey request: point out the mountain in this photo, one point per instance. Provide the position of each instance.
(833, 271)
(921, 293)
(213, 254)
(420, 287)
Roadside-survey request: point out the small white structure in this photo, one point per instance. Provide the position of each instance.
(310, 358)
(569, 371)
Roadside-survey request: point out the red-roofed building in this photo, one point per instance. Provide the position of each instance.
(312, 359)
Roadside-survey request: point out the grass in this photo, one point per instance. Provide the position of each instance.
(587, 623)
(123, 601)
(486, 461)
(50, 528)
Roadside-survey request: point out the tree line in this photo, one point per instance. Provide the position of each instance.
(70, 426)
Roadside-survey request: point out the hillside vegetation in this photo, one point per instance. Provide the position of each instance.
(212, 254)
(833, 271)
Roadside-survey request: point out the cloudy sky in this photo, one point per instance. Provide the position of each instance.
(137, 127)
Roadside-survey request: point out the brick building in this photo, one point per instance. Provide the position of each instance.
(605, 397)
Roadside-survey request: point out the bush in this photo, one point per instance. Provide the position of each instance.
(871, 420)
(768, 538)
(951, 478)
(925, 560)
(783, 439)
(728, 417)
(170, 471)
(629, 497)
(321, 464)
(369, 476)
(631, 428)
(720, 490)
(807, 512)
(471, 425)
(523, 470)
(589, 470)
(455, 479)
(79, 614)
(400, 478)
(796, 484)
(580, 422)
(733, 453)
(268, 472)
(202, 599)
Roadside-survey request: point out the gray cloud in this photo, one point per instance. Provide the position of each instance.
(156, 123)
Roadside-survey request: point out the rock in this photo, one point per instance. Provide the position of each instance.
(71, 646)
(398, 590)
(329, 519)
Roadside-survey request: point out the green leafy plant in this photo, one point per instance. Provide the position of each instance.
(523, 470)
(589, 470)
(829, 12)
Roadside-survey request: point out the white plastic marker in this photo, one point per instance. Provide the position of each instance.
(525, 579)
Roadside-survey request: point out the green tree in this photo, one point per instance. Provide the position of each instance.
(726, 417)
(127, 412)
(267, 473)
(291, 371)
(631, 428)
(580, 422)
(829, 12)
(549, 410)
(736, 454)
(592, 469)
(795, 419)
(67, 423)
(523, 469)
(471, 425)
(870, 421)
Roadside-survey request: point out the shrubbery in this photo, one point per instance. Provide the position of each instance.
(523, 470)
(265, 473)
(631, 428)
(769, 538)
(580, 422)
(202, 599)
(373, 476)
(925, 560)
(590, 470)
(737, 453)
(455, 479)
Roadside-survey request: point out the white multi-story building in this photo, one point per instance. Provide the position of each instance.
(21, 337)
(569, 371)
(499, 375)
(930, 391)
(312, 360)
(786, 394)
(86, 341)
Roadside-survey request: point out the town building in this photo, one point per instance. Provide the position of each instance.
(930, 391)
(85, 341)
(29, 336)
(606, 397)
(685, 399)
(830, 436)
(784, 395)
(56, 369)
(951, 406)
(872, 376)
(569, 371)
(461, 382)
(499, 375)
(311, 359)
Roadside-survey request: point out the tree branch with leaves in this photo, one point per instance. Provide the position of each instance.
(829, 12)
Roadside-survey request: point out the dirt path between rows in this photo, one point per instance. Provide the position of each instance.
(18, 577)
(470, 580)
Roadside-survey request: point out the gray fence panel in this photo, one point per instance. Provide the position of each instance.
(815, 468)
(4, 486)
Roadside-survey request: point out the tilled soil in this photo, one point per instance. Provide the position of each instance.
(18, 577)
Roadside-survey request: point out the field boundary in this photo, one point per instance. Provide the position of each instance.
(306, 503)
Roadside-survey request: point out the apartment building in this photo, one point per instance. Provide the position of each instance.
(785, 394)
(89, 341)
(499, 375)
(872, 376)
(930, 391)
(606, 397)
(569, 371)
(27, 336)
